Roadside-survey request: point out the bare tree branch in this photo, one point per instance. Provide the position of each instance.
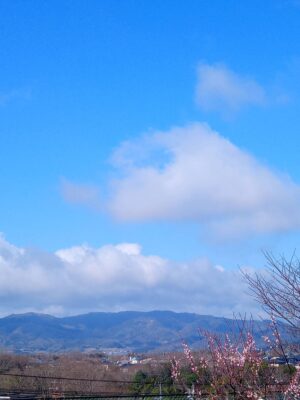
(277, 289)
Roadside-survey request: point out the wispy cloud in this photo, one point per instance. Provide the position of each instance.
(81, 194)
(115, 277)
(14, 94)
(221, 89)
(202, 177)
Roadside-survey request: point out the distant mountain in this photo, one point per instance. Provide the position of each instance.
(116, 332)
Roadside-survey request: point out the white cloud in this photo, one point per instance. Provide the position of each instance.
(193, 174)
(80, 194)
(114, 277)
(220, 89)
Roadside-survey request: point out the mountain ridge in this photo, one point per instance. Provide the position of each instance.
(138, 331)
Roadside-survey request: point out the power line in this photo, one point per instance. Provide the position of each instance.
(68, 396)
(109, 396)
(64, 378)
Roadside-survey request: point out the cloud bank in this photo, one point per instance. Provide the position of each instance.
(220, 89)
(192, 173)
(114, 277)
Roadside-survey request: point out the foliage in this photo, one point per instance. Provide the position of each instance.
(154, 384)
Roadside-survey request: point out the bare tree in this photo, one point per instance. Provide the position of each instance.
(278, 289)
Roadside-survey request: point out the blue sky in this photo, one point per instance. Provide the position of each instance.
(89, 92)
